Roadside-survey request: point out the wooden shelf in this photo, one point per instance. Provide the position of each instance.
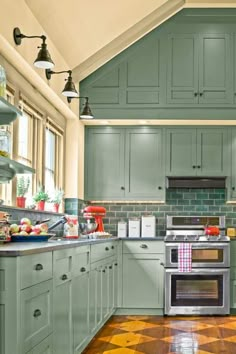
(8, 112)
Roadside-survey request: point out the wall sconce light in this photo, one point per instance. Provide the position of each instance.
(86, 112)
(69, 89)
(43, 60)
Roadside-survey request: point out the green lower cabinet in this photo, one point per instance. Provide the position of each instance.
(80, 310)
(95, 299)
(45, 347)
(143, 281)
(233, 295)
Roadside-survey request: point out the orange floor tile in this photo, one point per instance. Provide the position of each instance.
(165, 335)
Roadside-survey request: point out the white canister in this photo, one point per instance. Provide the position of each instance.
(134, 227)
(122, 229)
(148, 226)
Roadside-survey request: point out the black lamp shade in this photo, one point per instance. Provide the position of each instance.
(69, 89)
(44, 60)
(86, 112)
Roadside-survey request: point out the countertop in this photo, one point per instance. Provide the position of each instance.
(14, 249)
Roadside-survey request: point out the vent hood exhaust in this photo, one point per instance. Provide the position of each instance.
(196, 182)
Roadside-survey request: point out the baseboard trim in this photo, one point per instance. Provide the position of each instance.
(134, 311)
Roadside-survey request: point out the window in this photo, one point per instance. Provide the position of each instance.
(53, 156)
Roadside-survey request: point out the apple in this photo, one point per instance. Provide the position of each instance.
(24, 233)
(43, 233)
(14, 228)
(43, 227)
(36, 229)
(25, 221)
(26, 228)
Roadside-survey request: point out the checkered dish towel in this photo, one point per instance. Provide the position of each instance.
(185, 257)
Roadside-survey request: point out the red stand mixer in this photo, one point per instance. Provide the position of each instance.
(96, 212)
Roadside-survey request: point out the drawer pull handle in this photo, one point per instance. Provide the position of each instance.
(112, 247)
(143, 246)
(107, 249)
(83, 269)
(39, 266)
(37, 313)
(64, 277)
(110, 267)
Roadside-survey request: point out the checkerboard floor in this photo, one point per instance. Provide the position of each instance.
(165, 335)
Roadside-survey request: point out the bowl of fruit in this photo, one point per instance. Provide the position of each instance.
(26, 232)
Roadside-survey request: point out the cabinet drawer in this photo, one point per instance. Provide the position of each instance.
(81, 260)
(35, 268)
(62, 266)
(36, 314)
(103, 250)
(143, 246)
(45, 347)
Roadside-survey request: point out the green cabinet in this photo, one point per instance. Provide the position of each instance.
(143, 275)
(45, 347)
(231, 190)
(199, 69)
(124, 163)
(197, 152)
(62, 294)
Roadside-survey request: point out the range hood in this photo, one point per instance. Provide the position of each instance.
(196, 182)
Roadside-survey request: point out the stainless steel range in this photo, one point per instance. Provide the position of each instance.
(204, 289)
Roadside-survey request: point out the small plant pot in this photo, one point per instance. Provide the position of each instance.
(20, 202)
(41, 205)
(55, 207)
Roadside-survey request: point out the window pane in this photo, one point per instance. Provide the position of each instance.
(23, 136)
(50, 160)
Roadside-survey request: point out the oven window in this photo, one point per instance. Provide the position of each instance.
(197, 290)
(201, 255)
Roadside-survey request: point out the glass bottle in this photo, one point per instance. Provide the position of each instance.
(3, 81)
(5, 142)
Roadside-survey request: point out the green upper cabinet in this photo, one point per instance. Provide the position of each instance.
(124, 163)
(144, 176)
(199, 69)
(197, 152)
(104, 171)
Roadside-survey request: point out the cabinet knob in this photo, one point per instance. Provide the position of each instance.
(104, 271)
(195, 94)
(194, 166)
(159, 187)
(107, 249)
(39, 266)
(116, 264)
(198, 166)
(201, 94)
(63, 277)
(112, 247)
(162, 264)
(233, 188)
(110, 267)
(83, 269)
(143, 246)
(37, 313)
(122, 188)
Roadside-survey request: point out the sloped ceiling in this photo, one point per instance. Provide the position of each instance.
(88, 33)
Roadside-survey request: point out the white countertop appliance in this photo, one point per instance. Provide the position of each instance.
(204, 288)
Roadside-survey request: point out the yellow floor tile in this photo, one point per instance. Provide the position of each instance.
(122, 351)
(126, 340)
(133, 326)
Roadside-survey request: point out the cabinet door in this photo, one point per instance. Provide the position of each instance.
(95, 299)
(104, 177)
(215, 75)
(181, 152)
(62, 302)
(232, 184)
(212, 156)
(105, 292)
(143, 285)
(45, 347)
(182, 70)
(144, 173)
(80, 310)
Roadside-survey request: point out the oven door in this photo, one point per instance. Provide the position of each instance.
(212, 255)
(201, 292)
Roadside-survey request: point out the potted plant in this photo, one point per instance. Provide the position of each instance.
(22, 188)
(56, 199)
(40, 198)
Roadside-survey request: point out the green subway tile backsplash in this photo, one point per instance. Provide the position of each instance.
(182, 201)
